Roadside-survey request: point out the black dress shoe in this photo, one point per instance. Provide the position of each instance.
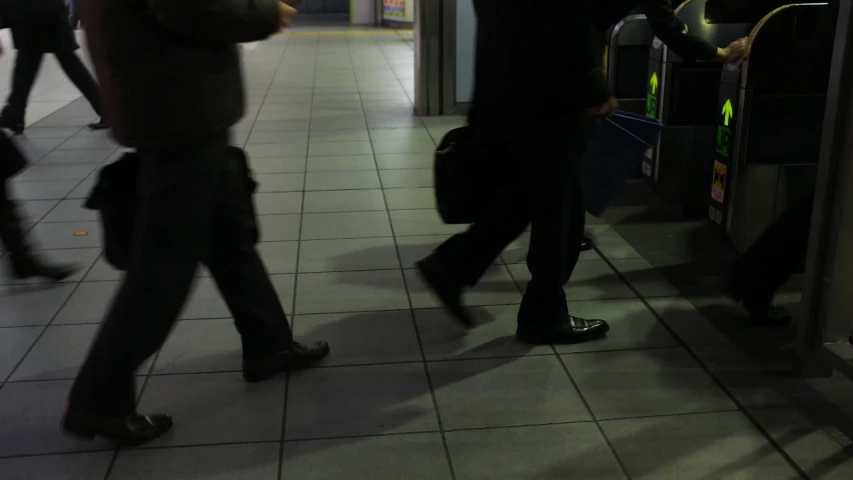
(131, 430)
(759, 306)
(298, 356)
(446, 286)
(16, 128)
(566, 331)
(99, 125)
(29, 267)
(587, 244)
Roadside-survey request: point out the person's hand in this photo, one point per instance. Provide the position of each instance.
(735, 52)
(606, 109)
(286, 14)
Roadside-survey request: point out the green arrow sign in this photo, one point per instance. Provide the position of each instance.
(728, 112)
(654, 83)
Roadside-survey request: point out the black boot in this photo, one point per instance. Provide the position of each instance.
(749, 292)
(14, 126)
(544, 318)
(101, 124)
(587, 244)
(446, 286)
(24, 262)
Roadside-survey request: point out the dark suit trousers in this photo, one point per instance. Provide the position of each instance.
(27, 65)
(194, 208)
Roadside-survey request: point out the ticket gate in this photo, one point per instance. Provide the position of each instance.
(683, 95)
(628, 61)
(770, 119)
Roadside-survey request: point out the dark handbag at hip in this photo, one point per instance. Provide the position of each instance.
(464, 178)
(12, 160)
(115, 195)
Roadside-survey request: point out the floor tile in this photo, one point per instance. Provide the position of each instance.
(359, 135)
(207, 302)
(278, 228)
(389, 457)
(88, 304)
(319, 149)
(213, 408)
(15, 342)
(342, 163)
(592, 280)
(320, 226)
(279, 257)
(35, 210)
(810, 446)
(363, 338)
(494, 335)
(280, 182)
(81, 466)
(278, 203)
(201, 346)
(67, 235)
(344, 201)
(495, 288)
(42, 190)
(77, 157)
(83, 258)
(644, 383)
(351, 292)
(259, 137)
(711, 445)
(364, 400)
(393, 161)
(58, 354)
(222, 462)
(55, 173)
(406, 178)
(686, 321)
(410, 198)
(358, 180)
(30, 421)
(277, 150)
(26, 305)
(421, 222)
(548, 452)
(632, 326)
(71, 211)
(278, 164)
(645, 278)
(505, 392)
(348, 255)
(412, 249)
(102, 271)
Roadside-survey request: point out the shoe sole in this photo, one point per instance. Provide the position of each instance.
(459, 316)
(299, 365)
(546, 340)
(87, 434)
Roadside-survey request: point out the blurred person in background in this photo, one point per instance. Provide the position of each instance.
(171, 76)
(44, 28)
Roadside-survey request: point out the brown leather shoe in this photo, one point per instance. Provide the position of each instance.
(131, 430)
(297, 357)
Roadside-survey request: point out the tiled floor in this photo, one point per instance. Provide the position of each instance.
(346, 209)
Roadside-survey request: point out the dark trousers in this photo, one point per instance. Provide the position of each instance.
(195, 207)
(11, 225)
(27, 65)
(778, 253)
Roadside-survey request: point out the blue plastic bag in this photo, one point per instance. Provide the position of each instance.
(613, 155)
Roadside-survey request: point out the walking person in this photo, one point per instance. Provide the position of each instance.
(172, 81)
(23, 261)
(47, 31)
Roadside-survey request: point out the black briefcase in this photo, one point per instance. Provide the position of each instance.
(12, 160)
(464, 177)
(114, 197)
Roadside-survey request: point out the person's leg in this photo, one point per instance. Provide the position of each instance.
(557, 231)
(242, 278)
(23, 261)
(177, 203)
(769, 262)
(82, 78)
(27, 65)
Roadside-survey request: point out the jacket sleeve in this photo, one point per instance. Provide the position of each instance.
(218, 22)
(675, 34)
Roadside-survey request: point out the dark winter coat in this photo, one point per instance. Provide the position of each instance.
(40, 26)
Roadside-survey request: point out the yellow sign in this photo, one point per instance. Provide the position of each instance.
(728, 112)
(80, 234)
(718, 189)
(654, 83)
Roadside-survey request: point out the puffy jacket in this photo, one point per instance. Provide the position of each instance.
(170, 70)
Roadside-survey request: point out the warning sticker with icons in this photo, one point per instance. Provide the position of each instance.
(718, 189)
